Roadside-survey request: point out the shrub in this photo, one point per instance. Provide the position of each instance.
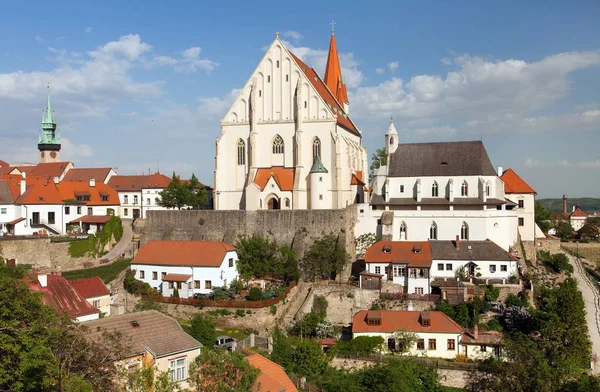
(491, 292)
(513, 278)
(362, 345)
(240, 313)
(137, 287)
(255, 294)
(220, 293)
(320, 305)
(557, 263)
(493, 325)
(461, 358)
(248, 311)
(175, 293)
(273, 309)
(308, 325)
(514, 300)
(375, 306)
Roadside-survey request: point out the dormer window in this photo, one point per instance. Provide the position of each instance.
(373, 317)
(417, 249)
(387, 249)
(425, 319)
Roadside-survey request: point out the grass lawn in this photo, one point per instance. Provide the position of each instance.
(239, 334)
(107, 272)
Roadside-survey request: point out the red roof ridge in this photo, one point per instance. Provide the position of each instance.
(513, 183)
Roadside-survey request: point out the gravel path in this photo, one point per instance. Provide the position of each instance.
(123, 245)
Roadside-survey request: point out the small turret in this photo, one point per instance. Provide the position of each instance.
(391, 138)
(49, 141)
(320, 198)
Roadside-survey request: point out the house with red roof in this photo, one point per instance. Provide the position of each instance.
(577, 218)
(522, 195)
(95, 293)
(62, 296)
(191, 267)
(288, 141)
(437, 334)
(272, 377)
(139, 194)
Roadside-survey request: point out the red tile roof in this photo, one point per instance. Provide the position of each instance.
(272, 377)
(283, 176)
(183, 253)
(356, 180)
(94, 219)
(90, 287)
(85, 174)
(342, 118)
(578, 213)
(48, 170)
(333, 73)
(400, 252)
(393, 320)
(515, 184)
(60, 294)
(3, 163)
(176, 278)
(136, 183)
(69, 191)
(40, 191)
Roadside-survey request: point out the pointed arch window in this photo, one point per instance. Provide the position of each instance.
(487, 189)
(241, 152)
(391, 140)
(433, 231)
(434, 189)
(464, 189)
(403, 231)
(278, 145)
(464, 231)
(316, 145)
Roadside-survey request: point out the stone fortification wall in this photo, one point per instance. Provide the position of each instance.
(297, 228)
(41, 253)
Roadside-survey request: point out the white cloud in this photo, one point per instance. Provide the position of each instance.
(296, 36)
(72, 152)
(38, 38)
(189, 61)
(393, 65)
(446, 61)
(380, 71)
(88, 30)
(481, 95)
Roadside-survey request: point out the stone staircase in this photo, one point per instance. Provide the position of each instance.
(288, 318)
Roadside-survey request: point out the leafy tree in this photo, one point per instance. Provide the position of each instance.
(282, 349)
(325, 258)
(378, 159)
(255, 294)
(202, 328)
(516, 300)
(563, 228)
(361, 345)
(591, 228)
(491, 292)
(178, 194)
(398, 375)
(461, 315)
(308, 358)
(307, 326)
(197, 195)
(406, 340)
(259, 256)
(222, 371)
(542, 217)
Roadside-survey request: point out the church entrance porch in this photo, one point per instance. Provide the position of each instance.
(273, 203)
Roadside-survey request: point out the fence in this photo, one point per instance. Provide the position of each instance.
(415, 297)
(430, 362)
(224, 303)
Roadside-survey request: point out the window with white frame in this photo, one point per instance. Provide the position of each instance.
(378, 270)
(493, 268)
(464, 189)
(440, 266)
(125, 199)
(418, 290)
(401, 188)
(241, 152)
(449, 267)
(434, 189)
(503, 268)
(96, 303)
(399, 270)
(403, 231)
(433, 231)
(316, 147)
(521, 203)
(178, 369)
(3, 210)
(464, 231)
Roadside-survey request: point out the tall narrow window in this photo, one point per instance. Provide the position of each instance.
(464, 189)
(391, 140)
(434, 189)
(316, 148)
(241, 152)
(487, 189)
(403, 231)
(277, 145)
(464, 231)
(433, 231)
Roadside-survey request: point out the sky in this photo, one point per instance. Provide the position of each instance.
(142, 85)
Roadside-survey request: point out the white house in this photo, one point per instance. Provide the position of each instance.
(523, 196)
(287, 141)
(437, 334)
(192, 267)
(405, 263)
(481, 346)
(95, 292)
(577, 218)
(437, 191)
(139, 194)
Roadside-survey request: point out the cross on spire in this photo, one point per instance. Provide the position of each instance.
(332, 27)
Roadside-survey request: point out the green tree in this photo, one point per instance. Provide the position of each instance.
(591, 228)
(542, 217)
(563, 228)
(325, 258)
(282, 349)
(202, 328)
(378, 159)
(222, 371)
(308, 358)
(491, 292)
(398, 375)
(259, 256)
(196, 192)
(178, 194)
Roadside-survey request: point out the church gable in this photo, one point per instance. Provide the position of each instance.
(276, 78)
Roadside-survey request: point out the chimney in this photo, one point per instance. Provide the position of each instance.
(410, 306)
(56, 181)
(23, 183)
(564, 204)
(43, 279)
(500, 171)
(476, 332)
(457, 242)
(92, 182)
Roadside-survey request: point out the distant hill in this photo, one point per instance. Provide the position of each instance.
(588, 204)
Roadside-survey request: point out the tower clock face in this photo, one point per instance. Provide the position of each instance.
(53, 154)
(43, 154)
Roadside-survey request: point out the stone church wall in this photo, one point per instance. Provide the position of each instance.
(297, 228)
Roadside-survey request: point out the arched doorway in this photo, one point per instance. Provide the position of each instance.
(273, 203)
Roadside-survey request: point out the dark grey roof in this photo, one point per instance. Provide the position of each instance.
(160, 334)
(440, 159)
(5, 193)
(409, 201)
(468, 250)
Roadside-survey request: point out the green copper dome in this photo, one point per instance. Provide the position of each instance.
(317, 166)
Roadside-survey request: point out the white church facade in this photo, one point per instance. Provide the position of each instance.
(287, 141)
(438, 191)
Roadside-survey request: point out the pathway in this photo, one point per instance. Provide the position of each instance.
(295, 305)
(591, 298)
(123, 245)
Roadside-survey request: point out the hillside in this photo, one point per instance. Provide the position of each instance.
(587, 204)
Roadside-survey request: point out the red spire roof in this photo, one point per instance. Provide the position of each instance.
(333, 73)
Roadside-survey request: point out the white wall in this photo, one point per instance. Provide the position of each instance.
(527, 213)
(88, 317)
(511, 268)
(441, 350)
(577, 222)
(104, 303)
(219, 276)
(473, 351)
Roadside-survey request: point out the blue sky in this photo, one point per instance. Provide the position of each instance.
(141, 84)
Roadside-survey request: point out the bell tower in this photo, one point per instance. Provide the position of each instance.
(49, 140)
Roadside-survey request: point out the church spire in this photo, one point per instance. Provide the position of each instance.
(49, 141)
(333, 73)
(48, 118)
